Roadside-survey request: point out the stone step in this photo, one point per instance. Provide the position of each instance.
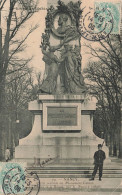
(71, 168)
(82, 172)
(40, 175)
(76, 171)
(85, 171)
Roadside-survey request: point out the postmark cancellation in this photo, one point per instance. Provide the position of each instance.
(100, 21)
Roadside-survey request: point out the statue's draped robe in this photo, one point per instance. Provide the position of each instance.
(71, 78)
(49, 85)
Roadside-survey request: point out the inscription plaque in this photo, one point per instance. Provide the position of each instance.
(64, 116)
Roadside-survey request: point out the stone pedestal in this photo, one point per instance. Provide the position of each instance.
(69, 138)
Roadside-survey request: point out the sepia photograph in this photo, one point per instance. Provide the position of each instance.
(60, 97)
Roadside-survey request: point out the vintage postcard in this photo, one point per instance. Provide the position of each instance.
(60, 97)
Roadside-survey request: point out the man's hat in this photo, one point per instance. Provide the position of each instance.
(99, 146)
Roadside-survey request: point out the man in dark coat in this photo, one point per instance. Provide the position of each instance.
(99, 157)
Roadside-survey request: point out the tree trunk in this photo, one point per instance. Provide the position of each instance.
(2, 119)
(120, 137)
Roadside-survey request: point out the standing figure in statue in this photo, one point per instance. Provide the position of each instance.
(99, 157)
(49, 85)
(69, 71)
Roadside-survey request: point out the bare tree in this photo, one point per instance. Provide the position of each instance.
(18, 92)
(104, 74)
(18, 12)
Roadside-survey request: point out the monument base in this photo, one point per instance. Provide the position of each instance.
(73, 142)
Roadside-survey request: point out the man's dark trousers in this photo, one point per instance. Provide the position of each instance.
(100, 166)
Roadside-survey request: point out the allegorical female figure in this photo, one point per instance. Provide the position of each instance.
(71, 76)
(49, 85)
(68, 67)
